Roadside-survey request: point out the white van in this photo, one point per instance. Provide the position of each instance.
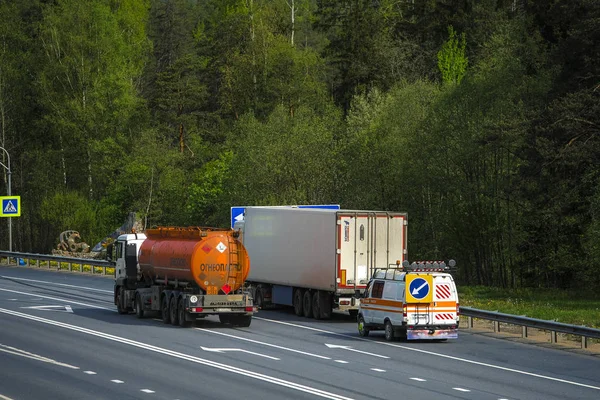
(416, 301)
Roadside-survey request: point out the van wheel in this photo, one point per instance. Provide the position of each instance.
(362, 329)
(307, 304)
(164, 310)
(389, 331)
(298, 296)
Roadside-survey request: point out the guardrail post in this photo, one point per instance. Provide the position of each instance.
(584, 342)
(104, 270)
(37, 263)
(524, 331)
(496, 326)
(553, 337)
(70, 267)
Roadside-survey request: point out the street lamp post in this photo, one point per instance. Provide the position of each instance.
(7, 167)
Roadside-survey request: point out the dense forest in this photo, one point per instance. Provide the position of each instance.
(480, 118)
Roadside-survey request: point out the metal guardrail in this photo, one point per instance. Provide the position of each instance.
(41, 259)
(526, 322)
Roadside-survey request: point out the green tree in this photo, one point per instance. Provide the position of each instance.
(452, 60)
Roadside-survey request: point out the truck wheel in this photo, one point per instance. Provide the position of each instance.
(316, 306)
(259, 299)
(139, 307)
(183, 322)
(307, 304)
(389, 331)
(242, 321)
(298, 296)
(325, 305)
(363, 331)
(173, 311)
(164, 309)
(120, 300)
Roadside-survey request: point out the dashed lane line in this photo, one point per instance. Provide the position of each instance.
(57, 284)
(58, 299)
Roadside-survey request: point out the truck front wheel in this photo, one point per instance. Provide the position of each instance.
(139, 307)
(120, 300)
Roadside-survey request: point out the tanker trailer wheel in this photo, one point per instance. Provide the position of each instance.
(225, 318)
(139, 307)
(120, 299)
(183, 322)
(173, 311)
(307, 304)
(316, 305)
(164, 310)
(298, 295)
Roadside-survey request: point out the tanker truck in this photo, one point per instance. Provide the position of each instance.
(182, 273)
(318, 260)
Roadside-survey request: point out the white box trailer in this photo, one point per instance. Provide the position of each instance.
(318, 260)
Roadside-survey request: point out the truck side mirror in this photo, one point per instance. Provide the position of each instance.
(109, 252)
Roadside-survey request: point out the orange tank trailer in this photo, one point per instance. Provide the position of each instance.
(212, 259)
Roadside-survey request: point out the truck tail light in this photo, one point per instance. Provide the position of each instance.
(345, 302)
(196, 309)
(249, 309)
(457, 310)
(404, 311)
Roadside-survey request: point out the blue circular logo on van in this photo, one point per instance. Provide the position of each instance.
(419, 288)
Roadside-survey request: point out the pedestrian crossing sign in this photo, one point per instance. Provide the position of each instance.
(11, 206)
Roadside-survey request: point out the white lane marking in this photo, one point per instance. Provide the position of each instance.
(57, 299)
(378, 369)
(337, 346)
(5, 398)
(174, 354)
(461, 389)
(67, 308)
(89, 372)
(147, 391)
(431, 353)
(341, 361)
(26, 354)
(116, 381)
(263, 343)
(240, 350)
(57, 284)
(12, 299)
(419, 379)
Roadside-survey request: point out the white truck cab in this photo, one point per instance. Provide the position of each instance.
(414, 301)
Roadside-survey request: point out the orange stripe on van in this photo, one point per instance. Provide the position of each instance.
(381, 309)
(381, 302)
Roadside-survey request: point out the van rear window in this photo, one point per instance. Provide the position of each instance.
(377, 290)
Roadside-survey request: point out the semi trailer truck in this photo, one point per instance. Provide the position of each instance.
(182, 273)
(318, 260)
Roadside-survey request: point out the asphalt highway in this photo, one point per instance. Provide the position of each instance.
(61, 338)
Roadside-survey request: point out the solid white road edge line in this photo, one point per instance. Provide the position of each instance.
(57, 299)
(198, 360)
(54, 283)
(431, 353)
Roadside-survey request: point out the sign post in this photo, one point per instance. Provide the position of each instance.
(8, 172)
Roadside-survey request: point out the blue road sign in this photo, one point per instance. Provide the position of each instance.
(10, 206)
(419, 288)
(237, 213)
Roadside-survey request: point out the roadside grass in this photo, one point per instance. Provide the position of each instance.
(569, 307)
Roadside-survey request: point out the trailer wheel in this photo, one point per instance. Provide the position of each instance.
(362, 329)
(298, 298)
(389, 331)
(316, 305)
(183, 322)
(139, 307)
(120, 299)
(259, 298)
(307, 304)
(173, 311)
(164, 309)
(325, 305)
